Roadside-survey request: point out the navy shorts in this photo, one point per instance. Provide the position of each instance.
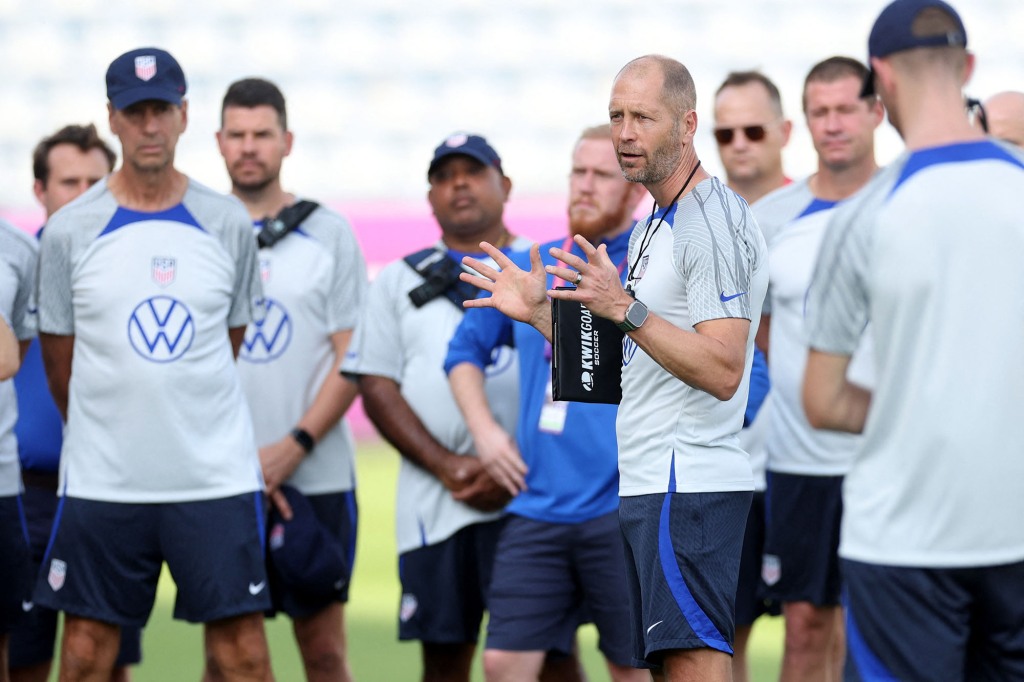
(339, 514)
(682, 561)
(752, 601)
(934, 624)
(444, 586)
(32, 642)
(801, 560)
(15, 564)
(547, 574)
(105, 559)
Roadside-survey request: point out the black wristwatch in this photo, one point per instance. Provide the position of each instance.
(304, 439)
(636, 315)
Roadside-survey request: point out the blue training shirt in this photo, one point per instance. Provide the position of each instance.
(573, 476)
(40, 429)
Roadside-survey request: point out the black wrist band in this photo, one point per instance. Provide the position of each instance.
(303, 438)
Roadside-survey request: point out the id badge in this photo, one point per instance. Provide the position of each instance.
(552, 414)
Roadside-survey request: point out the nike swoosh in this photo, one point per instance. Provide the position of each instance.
(257, 588)
(654, 626)
(725, 298)
(27, 606)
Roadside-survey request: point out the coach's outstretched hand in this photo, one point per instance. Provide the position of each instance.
(520, 294)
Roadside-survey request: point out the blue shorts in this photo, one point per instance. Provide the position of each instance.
(547, 574)
(751, 597)
(444, 586)
(801, 560)
(934, 624)
(339, 513)
(15, 564)
(33, 640)
(105, 558)
(682, 562)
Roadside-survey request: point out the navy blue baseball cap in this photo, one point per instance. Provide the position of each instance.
(307, 557)
(145, 73)
(893, 32)
(473, 146)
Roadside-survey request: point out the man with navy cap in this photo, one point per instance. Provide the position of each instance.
(929, 254)
(146, 285)
(449, 508)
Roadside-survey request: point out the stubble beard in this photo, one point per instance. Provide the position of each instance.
(661, 162)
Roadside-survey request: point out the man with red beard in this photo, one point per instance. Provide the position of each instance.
(560, 553)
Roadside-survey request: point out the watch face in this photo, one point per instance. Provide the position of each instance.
(636, 314)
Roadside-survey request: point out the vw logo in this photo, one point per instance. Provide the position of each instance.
(161, 329)
(501, 360)
(267, 339)
(628, 349)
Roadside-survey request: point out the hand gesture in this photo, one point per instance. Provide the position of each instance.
(518, 293)
(596, 277)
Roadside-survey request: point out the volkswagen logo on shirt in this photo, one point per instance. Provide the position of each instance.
(501, 360)
(267, 339)
(628, 349)
(161, 329)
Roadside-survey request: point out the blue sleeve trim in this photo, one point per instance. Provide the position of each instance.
(953, 153)
(817, 205)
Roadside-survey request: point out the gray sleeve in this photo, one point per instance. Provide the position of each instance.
(377, 347)
(17, 279)
(248, 290)
(716, 254)
(53, 289)
(837, 308)
(348, 288)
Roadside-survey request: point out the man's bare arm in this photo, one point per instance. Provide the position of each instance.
(830, 400)
(10, 353)
(394, 418)
(57, 354)
(495, 447)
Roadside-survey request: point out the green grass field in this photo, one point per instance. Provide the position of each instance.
(172, 650)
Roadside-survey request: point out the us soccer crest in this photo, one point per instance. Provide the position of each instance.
(145, 67)
(643, 266)
(277, 536)
(771, 569)
(58, 571)
(408, 608)
(163, 271)
(264, 269)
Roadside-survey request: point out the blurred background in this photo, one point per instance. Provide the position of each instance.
(373, 86)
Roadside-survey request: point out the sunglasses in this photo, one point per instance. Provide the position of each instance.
(977, 113)
(724, 136)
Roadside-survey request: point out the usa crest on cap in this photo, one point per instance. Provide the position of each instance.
(145, 66)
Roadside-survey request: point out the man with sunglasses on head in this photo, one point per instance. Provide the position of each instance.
(806, 466)
(929, 255)
(751, 131)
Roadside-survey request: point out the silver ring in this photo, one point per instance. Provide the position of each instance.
(579, 278)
